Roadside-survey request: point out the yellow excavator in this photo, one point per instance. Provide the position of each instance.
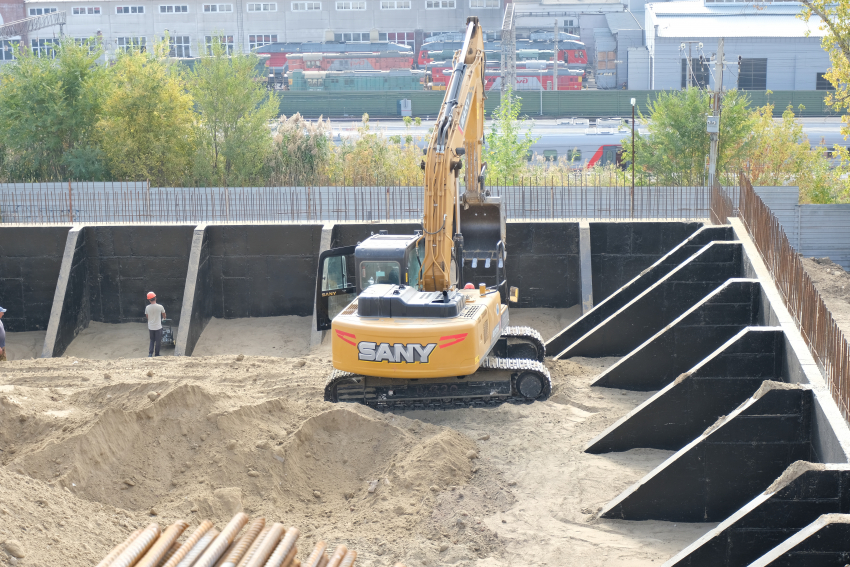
(412, 338)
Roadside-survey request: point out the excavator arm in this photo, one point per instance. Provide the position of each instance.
(458, 134)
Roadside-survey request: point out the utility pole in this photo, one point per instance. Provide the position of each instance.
(690, 71)
(713, 123)
(555, 70)
(632, 194)
(690, 67)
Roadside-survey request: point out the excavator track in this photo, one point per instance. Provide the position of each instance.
(498, 380)
(521, 342)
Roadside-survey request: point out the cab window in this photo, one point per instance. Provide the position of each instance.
(379, 272)
(414, 263)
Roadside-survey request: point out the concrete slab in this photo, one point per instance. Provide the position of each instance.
(197, 296)
(731, 463)
(717, 385)
(692, 336)
(585, 267)
(661, 303)
(637, 285)
(800, 496)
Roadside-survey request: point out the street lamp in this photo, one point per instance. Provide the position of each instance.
(632, 196)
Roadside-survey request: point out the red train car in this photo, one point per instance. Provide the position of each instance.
(387, 61)
(571, 52)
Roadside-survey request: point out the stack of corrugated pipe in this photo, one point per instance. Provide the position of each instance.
(260, 545)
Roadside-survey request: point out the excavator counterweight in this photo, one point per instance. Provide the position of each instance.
(412, 335)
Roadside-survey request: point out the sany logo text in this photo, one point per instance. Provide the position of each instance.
(396, 352)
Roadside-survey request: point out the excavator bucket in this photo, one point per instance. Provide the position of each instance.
(483, 227)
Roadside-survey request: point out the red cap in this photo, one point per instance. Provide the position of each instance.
(469, 286)
(151, 295)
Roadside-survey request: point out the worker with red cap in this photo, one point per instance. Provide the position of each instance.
(155, 313)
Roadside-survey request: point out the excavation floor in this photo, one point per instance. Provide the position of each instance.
(28, 344)
(92, 448)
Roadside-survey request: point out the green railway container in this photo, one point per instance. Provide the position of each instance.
(564, 104)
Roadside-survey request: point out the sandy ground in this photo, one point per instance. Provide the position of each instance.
(256, 336)
(833, 284)
(548, 322)
(20, 346)
(89, 449)
(107, 341)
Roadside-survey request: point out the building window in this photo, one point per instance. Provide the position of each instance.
(44, 47)
(85, 11)
(7, 50)
(351, 5)
(306, 6)
(823, 84)
(699, 77)
(352, 37)
(172, 9)
(218, 7)
(131, 44)
(225, 40)
(255, 41)
(129, 9)
(439, 4)
(395, 4)
(41, 11)
(404, 38)
(484, 3)
(262, 7)
(752, 74)
(92, 42)
(179, 46)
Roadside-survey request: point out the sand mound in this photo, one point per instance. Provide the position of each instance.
(37, 516)
(186, 452)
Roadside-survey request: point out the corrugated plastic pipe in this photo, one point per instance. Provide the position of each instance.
(169, 554)
(163, 544)
(285, 551)
(199, 548)
(316, 557)
(348, 561)
(225, 538)
(116, 551)
(267, 546)
(241, 548)
(338, 556)
(138, 548)
(187, 546)
(253, 549)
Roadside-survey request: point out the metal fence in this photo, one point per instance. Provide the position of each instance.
(63, 203)
(817, 326)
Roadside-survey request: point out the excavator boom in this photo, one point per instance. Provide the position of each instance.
(458, 136)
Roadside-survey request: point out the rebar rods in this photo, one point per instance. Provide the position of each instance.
(258, 545)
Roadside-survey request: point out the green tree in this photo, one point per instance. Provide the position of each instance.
(835, 16)
(234, 109)
(675, 151)
(508, 141)
(147, 129)
(48, 112)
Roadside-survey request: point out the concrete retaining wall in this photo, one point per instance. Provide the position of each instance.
(262, 270)
(30, 258)
(125, 262)
(621, 250)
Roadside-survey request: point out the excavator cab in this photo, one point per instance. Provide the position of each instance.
(346, 272)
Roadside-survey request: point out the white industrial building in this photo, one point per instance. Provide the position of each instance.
(777, 50)
(191, 23)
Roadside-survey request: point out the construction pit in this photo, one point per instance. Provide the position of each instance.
(97, 440)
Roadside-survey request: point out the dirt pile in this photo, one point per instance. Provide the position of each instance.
(127, 442)
(833, 284)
